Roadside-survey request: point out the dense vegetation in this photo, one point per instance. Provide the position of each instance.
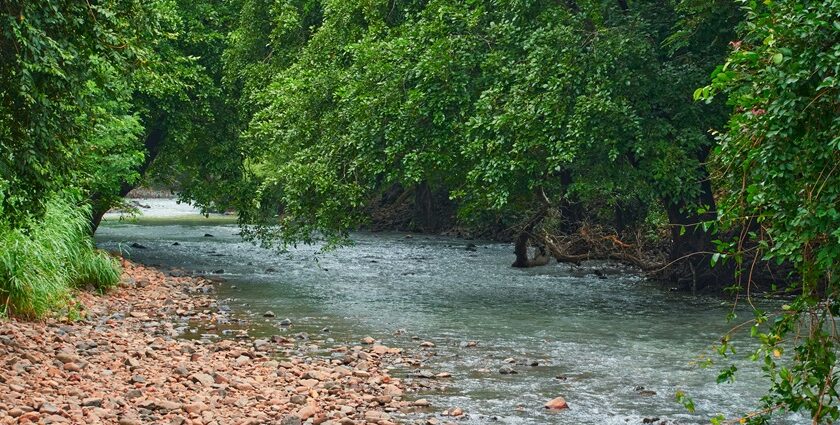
(567, 127)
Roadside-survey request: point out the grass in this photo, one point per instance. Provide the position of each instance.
(40, 265)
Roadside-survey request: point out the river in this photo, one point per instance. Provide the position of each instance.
(616, 347)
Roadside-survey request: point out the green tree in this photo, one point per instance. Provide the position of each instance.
(777, 163)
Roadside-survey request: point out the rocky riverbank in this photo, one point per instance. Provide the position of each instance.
(125, 363)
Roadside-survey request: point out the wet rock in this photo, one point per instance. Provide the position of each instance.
(650, 420)
(507, 370)
(368, 340)
(558, 403)
(138, 246)
(422, 403)
(207, 235)
(286, 322)
(269, 313)
(427, 344)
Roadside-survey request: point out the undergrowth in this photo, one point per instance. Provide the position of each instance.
(40, 264)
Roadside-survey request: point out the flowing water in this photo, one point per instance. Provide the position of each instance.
(605, 336)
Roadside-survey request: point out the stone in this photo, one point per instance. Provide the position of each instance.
(368, 340)
(48, 408)
(72, 367)
(194, 407)
(269, 313)
(427, 344)
(422, 403)
(307, 412)
(133, 394)
(558, 403)
(167, 405)
(203, 379)
(67, 358)
(290, 420)
(92, 402)
(507, 370)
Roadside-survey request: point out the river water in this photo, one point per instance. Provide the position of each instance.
(604, 337)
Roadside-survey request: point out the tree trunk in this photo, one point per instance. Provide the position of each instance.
(520, 247)
(153, 143)
(424, 208)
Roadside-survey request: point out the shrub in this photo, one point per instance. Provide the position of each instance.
(41, 263)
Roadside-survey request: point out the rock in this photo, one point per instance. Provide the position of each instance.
(203, 379)
(286, 322)
(290, 420)
(456, 412)
(72, 367)
(219, 271)
(167, 405)
(65, 358)
(647, 393)
(133, 394)
(368, 340)
(138, 246)
(92, 402)
(427, 344)
(48, 408)
(176, 244)
(376, 416)
(649, 420)
(507, 370)
(129, 421)
(207, 235)
(558, 403)
(269, 313)
(307, 412)
(379, 349)
(422, 403)
(194, 407)
(138, 379)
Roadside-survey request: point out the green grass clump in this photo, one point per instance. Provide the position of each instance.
(39, 265)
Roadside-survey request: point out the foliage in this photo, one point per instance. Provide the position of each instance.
(38, 267)
(68, 75)
(778, 168)
(495, 101)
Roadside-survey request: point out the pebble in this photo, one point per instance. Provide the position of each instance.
(123, 363)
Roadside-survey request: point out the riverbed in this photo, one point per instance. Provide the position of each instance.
(615, 346)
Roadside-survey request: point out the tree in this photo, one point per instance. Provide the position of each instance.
(776, 164)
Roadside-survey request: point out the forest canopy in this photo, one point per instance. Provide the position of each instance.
(698, 141)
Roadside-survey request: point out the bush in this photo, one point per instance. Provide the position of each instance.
(41, 263)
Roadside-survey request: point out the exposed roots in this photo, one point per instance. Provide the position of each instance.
(598, 243)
